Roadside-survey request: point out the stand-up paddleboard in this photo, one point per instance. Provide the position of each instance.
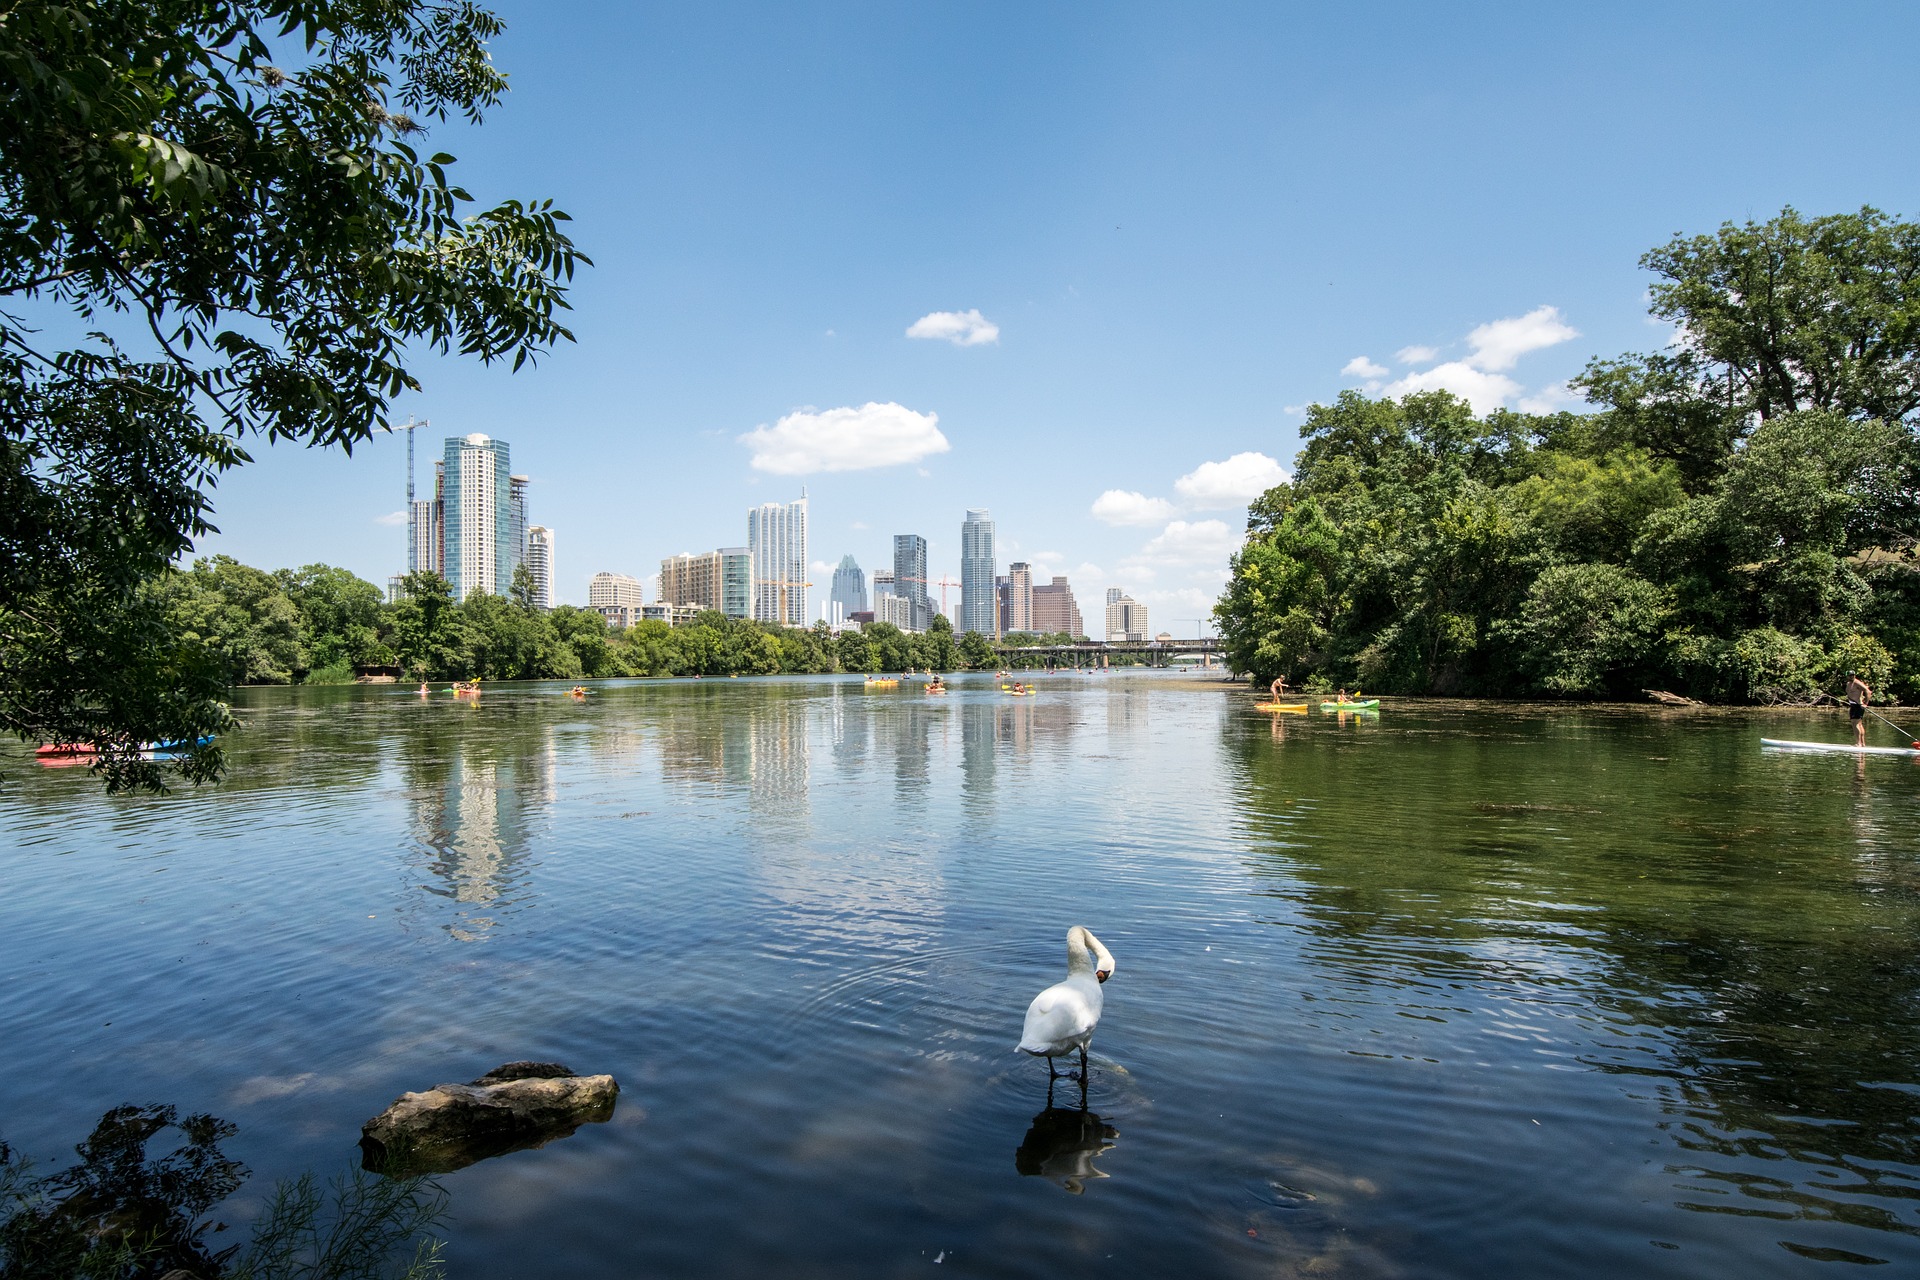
(1845, 748)
(1280, 706)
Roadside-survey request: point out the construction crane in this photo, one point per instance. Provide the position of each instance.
(783, 584)
(942, 583)
(1198, 625)
(413, 546)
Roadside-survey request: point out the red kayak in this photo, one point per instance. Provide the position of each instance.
(65, 749)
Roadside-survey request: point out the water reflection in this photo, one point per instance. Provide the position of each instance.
(1748, 958)
(477, 804)
(1062, 1143)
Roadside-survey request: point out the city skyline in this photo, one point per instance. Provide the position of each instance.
(1084, 309)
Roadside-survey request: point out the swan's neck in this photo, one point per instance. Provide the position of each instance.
(1079, 953)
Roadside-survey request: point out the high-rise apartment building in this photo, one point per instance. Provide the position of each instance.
(777, 543)
(976, 574)
(1020, 596)
(910, 577)
(1054, 610)
(517, 521)
(1126, 618)
(615, 590)
(895, 609)
(721, 580)
(539, 563)
(736, 581)
(477, 516)
(849, 588)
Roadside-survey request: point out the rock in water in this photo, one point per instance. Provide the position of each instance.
(511, 1108)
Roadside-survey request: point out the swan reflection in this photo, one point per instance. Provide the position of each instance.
(1062, 1143)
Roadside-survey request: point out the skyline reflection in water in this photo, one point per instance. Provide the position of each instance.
(1449, 991)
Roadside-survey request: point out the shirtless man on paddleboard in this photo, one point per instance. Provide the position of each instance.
(1859, 693)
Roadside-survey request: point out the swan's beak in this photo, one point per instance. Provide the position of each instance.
(1103, 974)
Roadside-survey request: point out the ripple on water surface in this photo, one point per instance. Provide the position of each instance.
(1450, 990)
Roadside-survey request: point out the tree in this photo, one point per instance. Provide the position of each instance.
(975, 652)
(230, 187)
(1785, 316)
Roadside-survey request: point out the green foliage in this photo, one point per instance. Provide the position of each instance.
(1738, 521)
(235, 190)
(273, 628)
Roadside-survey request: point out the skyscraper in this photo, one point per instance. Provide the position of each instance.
(517, 522)
(477, 516)
(1126, 617)
(1054, 609)
(1019, 596)
(976, 574)
(721, 580)
(777, 543)
(849, 587)
(540, 564)
(910, 577)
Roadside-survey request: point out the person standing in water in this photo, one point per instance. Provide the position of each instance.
(1859, 694)
(1278, 688)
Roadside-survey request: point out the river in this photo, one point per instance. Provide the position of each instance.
(1453, 990)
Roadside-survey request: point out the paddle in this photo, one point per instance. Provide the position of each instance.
(1882, 719)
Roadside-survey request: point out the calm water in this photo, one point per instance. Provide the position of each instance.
(1450, 991)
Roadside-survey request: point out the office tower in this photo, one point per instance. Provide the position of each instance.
(999, 606)
(777, 543)
(1020, 597)
(423, 516)
(614, 590)
(1126, 618)
(477, 516)
(736, 580)
(1054, 610)
(849, 587)
(517, 521)
(910, 577)
(540, 564)
(977, 611)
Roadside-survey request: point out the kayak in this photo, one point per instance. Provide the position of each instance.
(1369, 705)
(1846, 748)
(1279, 706)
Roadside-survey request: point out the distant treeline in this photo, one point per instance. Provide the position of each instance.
(1738, 521)
(315, 625)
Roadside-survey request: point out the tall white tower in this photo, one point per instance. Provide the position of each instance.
(777, 546)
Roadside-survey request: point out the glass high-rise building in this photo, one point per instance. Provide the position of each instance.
(849, 587)
(910, 577)
(477, 516)
(736, 579)
(777, 545)
(977, 595)
(540, 565)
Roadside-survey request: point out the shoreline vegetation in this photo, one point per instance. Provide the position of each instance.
(316, 624)
(1737, 521)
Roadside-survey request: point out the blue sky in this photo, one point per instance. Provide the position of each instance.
(1181, 222)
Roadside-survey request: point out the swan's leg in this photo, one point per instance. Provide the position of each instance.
(1051, 1072)
(1083, 1091)
(1083, 1063)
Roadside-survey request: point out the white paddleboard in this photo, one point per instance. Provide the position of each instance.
(1846, 747)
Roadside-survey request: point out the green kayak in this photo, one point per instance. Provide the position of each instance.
(1371, 704)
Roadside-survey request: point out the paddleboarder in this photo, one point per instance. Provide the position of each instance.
(1859, 694)
(1278, 688)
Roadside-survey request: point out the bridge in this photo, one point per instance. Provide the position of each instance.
(1093, 653)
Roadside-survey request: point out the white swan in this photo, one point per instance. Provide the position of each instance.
(1062, 1017)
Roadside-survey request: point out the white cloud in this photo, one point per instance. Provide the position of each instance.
(961, 328)
(845, 439)
(1189, 542)
(1415, 355)
(1552, 399)
(391, 518)
(1484, 391)
(1499, 344)
(858, 524)
(1233, 483)
(1122, 506)
(1293, 408)
(1361, 367)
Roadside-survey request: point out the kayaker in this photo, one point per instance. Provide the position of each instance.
(1859, 693)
